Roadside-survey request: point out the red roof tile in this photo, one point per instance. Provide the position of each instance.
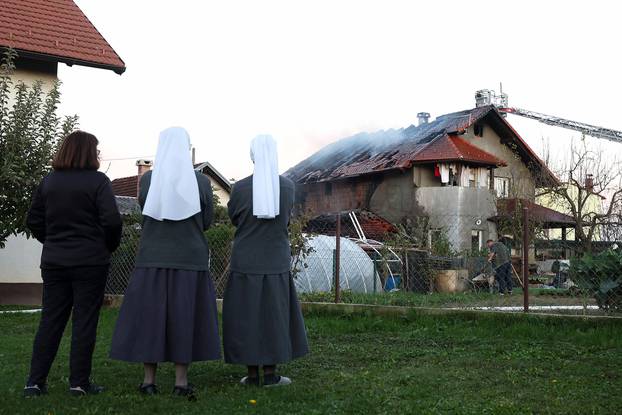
(125, 186)
(455, 148)
(55, 29)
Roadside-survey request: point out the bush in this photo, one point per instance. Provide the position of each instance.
(601, 275)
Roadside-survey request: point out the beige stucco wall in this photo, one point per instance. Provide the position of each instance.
(222, 194)
(522, 183)
(19, 260)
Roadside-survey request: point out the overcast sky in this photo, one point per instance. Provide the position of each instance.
(315, 71)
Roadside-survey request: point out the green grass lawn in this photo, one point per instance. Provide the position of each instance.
(455, 364)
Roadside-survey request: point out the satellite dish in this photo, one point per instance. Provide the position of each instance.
(478, 222)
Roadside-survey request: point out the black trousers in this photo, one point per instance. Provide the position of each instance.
(80, 290)
(504, 277)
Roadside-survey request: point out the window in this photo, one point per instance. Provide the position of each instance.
(477, 240)
(502, 186)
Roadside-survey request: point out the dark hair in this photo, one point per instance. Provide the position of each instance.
(490, 240)
(77, 151)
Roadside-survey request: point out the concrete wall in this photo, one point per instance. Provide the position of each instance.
(522, 182)
(423, 176)
(457, 211)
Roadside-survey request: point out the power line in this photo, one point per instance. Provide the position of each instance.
(127, 158)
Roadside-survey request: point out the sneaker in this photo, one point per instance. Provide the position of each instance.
(150, 389)
(184, 390)
(32, 391)
(276, 380)
(90, 389)
(248, 381)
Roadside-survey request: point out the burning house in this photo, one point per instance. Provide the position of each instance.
(451, 171)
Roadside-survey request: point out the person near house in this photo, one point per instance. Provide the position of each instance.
(262, 320)
(169, 310)
(499, 256)
(75, 217)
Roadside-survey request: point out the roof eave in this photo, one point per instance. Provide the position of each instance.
(68, 60)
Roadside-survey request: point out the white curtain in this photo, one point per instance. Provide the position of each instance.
(465, 176)
(444, 168)
(483, 177)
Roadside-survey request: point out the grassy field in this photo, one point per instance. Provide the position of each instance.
(467, 364)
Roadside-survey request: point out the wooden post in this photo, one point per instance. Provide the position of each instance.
(338, 259)
(525, 259)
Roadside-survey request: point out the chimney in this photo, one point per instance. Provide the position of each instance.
(589, 183)
(423, 117)
(143, 167)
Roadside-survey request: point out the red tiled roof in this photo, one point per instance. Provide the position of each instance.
(454, 148)
(546, 217)
(55, 30)
(125, 186)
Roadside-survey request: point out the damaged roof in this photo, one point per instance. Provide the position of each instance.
(384, 150)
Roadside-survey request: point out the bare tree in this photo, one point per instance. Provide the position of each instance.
(589, 177)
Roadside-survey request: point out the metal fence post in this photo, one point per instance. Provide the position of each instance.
(338, 259)
(525, 259)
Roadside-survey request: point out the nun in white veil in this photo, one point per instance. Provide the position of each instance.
(262, 321)
(169, 311)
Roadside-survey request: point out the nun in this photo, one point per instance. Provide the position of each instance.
(169, 311)
(262, 321)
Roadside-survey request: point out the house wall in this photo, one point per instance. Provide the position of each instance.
(522, 182)
(336, 196)
(456, 210)
(423, 176)
(593, 204)
(222, 194)
(394, 196)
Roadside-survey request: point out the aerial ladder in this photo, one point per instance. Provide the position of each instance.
(487, 97)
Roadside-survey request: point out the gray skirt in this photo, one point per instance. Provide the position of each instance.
(262, 321)
(168, 315)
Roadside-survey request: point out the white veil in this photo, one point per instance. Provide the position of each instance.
(266, 184)
(174, 191)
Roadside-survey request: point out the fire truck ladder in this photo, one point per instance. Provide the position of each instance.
(587, 129)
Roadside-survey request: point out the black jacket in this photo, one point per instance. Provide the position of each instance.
(75, 216)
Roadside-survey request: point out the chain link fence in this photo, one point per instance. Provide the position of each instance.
(420, 263)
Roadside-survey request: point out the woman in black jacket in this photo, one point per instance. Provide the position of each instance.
(75, 216)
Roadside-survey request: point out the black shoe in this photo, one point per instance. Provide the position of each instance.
(150, 389)
(90, 389)
(32, 391)
(250, 381)
(184, 391)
